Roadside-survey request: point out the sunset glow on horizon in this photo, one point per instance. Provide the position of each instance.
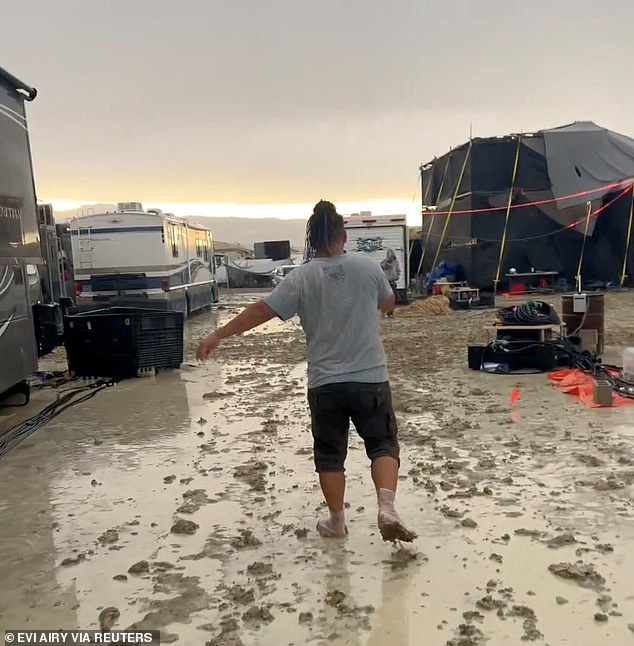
(409, 208)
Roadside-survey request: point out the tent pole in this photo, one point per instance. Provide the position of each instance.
(433, 215)
(583, 245)
(453, 203)
(496, 282)
(628, 237)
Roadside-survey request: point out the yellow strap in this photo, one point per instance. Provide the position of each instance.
(508, 213)
(431, 223)
(585, 235)
(453, 203)
(628, 238)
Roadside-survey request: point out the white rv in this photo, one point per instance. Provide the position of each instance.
(142, 258)
(384, 239)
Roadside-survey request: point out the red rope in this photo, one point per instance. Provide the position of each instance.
(600, 189)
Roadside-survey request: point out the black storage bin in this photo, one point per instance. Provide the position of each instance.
(49, 327)
(120, 342)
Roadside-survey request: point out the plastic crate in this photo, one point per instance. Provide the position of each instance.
(121, 342)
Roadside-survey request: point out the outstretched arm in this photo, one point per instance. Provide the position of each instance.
(387, 306)
(254, 315)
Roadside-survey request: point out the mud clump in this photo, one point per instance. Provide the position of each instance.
(257, 614)
(182, 526)
(252, 474)
(305, 617)
(561, 541)
(246, 540)
(238, 594)
(301, 533)
(532, 533)
(142, 567)
(226, 638)
(469, 523)
(582, 574)
(468, 635)
(73, 560)
(589, 460)
(212, 396)
(600, 617)
(109, 537)
(335, 598)
(108, 617)
(163, 566)
(260, 569)
(194, 500)
(489, 603)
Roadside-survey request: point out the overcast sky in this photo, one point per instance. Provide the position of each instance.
(289, 101)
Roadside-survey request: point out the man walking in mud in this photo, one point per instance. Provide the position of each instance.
(337, 297)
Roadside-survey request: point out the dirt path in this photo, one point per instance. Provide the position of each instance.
(201, 482)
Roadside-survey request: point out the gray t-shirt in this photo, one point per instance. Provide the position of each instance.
(337, 301)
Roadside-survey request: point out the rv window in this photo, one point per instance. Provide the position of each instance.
(174, 240)
(206, 251)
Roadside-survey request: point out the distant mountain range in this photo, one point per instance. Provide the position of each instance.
(247, 231)
(244, 231)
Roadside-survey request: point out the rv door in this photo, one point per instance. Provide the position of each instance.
(85, 248)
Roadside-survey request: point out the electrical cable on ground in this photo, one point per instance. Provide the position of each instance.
(65, 400)
(584, 360)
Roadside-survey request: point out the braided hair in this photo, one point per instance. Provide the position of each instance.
(324, 227)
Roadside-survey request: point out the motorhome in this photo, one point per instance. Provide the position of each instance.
(20, 254)
(142, 257)
(385, 240)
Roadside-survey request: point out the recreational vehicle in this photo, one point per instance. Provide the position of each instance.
(385, 240)
(20, 254)
(142, 258)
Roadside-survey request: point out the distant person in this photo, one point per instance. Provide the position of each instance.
(391, 270)
(337, 297)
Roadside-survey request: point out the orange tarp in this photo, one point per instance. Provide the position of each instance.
(578, 383)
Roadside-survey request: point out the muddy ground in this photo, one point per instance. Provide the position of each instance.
(187, 501)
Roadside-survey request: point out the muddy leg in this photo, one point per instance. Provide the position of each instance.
(385, 477)
(333, 486)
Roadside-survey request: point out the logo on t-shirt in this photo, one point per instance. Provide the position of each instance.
(335, 273)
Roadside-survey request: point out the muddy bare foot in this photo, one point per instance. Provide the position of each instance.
(326, 528)
(392, 529)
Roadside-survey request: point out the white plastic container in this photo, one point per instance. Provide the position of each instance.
(628, 364)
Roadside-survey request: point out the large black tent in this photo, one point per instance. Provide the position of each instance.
(550, 200)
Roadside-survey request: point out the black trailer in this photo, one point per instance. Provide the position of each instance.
(20, 253)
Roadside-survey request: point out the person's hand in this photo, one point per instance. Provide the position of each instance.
(207, 346)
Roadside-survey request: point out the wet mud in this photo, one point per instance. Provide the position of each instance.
(187, 502)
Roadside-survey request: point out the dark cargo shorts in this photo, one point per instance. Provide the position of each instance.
(369, 406)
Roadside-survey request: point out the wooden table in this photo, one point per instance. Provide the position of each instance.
(526, 281)
(541, 332)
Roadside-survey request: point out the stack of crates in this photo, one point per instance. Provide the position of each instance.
(123, 342)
